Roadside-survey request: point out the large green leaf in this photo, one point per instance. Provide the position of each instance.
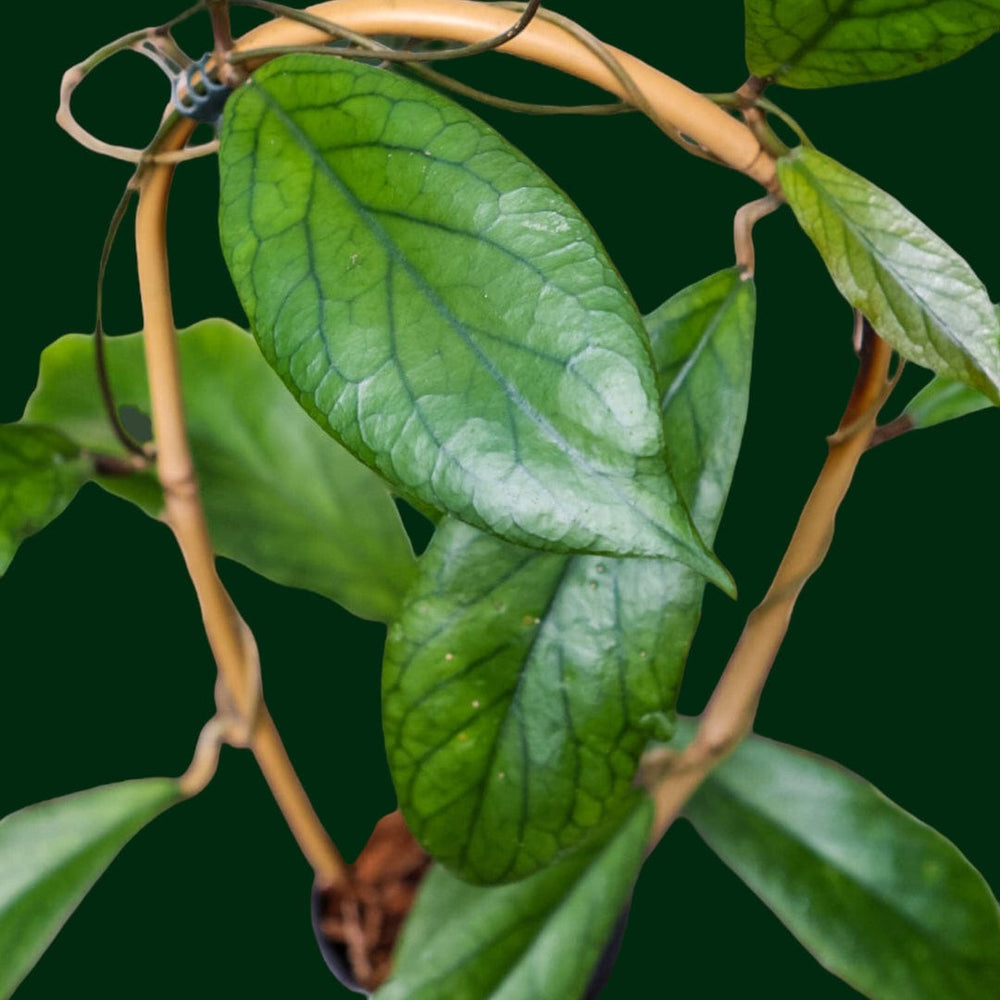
(53, 852)
(437, 304)
(520, 688)
(280, 496)
(881, 899)
(918, 293)
(540, 937)
(40, 472)
(825, 43)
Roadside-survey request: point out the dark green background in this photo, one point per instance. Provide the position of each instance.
(891, 663)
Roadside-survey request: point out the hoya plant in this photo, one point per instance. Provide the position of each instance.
(479, 374)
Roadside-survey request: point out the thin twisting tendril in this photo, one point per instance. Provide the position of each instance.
(599, 49)
(366, 45)
(771, 108)
(154, 43)
(735, 100)
(100, 357)
(523, 107)
(370, 45)
(635, 95)
(310, 20)
(150, 157)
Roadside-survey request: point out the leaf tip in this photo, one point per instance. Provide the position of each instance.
(715, 572)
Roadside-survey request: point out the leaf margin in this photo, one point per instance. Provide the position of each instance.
(787, 812)
(159, 794)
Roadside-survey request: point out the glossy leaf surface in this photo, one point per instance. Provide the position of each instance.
(436, 303)
(919, 294)
(280, 496)
(540, 937)
(520, 688)
(53, 852)
(881, 899)
(40, 472)
(825, 43)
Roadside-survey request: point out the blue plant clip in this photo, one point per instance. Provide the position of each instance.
(203, 98)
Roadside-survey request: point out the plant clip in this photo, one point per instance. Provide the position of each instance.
(203, 96)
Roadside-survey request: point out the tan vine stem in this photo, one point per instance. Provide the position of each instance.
(405, 55)
(232, 643)
(731, 710)
(677, 109)
(520, 107)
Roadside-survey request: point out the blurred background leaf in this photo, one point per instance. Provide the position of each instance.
(280, 495)
(51, 853)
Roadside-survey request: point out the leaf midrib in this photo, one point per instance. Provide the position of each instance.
(399, 258)
(395, 254)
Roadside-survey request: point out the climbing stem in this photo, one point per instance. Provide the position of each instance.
(338, 30)
(688, 117)
(673, 778)
(232, 644)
